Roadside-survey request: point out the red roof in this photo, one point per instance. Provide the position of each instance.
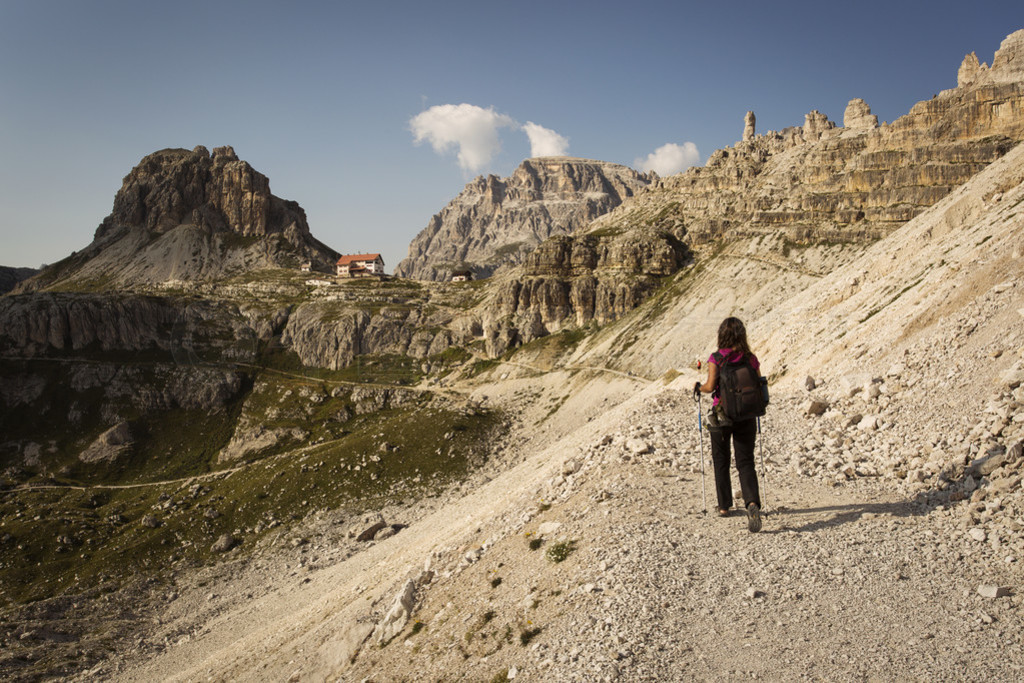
(349, 258)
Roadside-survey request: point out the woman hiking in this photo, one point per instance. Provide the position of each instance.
(732, 348)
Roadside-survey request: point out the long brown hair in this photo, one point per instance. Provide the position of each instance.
(733, 335)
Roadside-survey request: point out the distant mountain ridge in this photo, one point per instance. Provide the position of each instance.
(497, 221)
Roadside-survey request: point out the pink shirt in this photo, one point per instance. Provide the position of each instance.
(731, 357)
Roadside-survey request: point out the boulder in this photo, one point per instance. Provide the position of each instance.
(401, 609)
(109, 445)
(994, 459)
(851, 385)
(992, 591)
(151, 522)
(637, 446)
(814, 407)
(224, 543)
(368, 528)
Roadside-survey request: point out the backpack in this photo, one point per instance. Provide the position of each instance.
(742, 392)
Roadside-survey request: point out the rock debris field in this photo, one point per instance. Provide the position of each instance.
(595, 561)
(851, 577)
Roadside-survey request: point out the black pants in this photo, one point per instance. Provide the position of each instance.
(742, 435)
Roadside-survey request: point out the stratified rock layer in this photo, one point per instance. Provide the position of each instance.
(571, 280)
(820, 182)
(497, 221)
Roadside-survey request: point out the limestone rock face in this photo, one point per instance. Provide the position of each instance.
(497, 221)
(571, 280)
(1008, 63)
(396, 330)
(37, 325)
(969, 70)
(816, 124)
(858, 116)
(215, 192)
(43, 325)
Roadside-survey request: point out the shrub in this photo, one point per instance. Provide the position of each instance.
(559, 551)
(526, 635)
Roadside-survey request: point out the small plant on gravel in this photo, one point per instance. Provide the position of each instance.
(543, 507)
(500, 677)
(560, 551)
(495, 582)
(417, 627)
(536, 543)
(528, 634)
(489, 616)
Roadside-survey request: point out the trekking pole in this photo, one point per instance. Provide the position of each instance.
(764, 481)
(700, 431)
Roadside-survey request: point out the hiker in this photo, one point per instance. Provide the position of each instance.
(732, 349)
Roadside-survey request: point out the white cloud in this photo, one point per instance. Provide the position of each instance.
(473, 129)
(545, 142)
(670, 159)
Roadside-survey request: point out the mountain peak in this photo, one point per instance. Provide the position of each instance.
(179, 215)
(496, 221)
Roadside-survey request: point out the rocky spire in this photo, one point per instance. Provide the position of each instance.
(749, 126)
(969, 70)
(815, 124)
(1007, 64)
(858, 116)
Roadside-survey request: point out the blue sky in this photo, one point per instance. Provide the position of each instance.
(321, 96)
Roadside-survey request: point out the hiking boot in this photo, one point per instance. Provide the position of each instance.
(753, 518)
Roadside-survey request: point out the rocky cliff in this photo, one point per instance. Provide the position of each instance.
(44, 324)
(821, 182)
(572, 280)
(497, 221)
(187, 215)
(353, 331)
